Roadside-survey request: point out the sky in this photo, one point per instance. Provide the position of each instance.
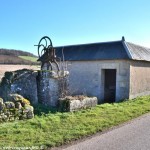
(24, 22)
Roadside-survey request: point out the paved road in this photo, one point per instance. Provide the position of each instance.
(132, 136)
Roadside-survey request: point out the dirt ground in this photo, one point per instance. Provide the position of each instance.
(4, 68)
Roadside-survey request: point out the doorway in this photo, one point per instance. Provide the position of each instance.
(109, 85)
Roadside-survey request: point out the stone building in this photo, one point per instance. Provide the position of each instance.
(111, 71)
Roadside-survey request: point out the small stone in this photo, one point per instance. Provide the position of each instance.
(28, 108)
(30, 115)
(9, 105)
(15, 97)
(29, 112)
(18, 105)
(1, 106)
(18, 98)
(1, 100)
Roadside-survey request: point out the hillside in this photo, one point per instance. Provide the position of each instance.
(15, 52)
(8, 56)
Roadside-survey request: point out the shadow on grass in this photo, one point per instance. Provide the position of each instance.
(39, 109)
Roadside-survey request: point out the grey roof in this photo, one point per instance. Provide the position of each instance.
(93, 51)
(138, 52)
(102, 51)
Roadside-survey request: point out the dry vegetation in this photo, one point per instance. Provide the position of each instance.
(4, 68)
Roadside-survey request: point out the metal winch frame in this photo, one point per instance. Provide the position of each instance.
(47, 51)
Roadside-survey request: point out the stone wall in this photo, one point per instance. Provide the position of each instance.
(51, 86)
(17, 109)
(44, 87)
(87, 78)
(139, 78)
(23, 82)
(5, 68)
(70, 103)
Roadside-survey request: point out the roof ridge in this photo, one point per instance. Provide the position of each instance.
(127, 49)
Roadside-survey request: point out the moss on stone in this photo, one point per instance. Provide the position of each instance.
(17, 109)
(18, 98)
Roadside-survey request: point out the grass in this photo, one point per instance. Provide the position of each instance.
(55, 128)
(32, 59)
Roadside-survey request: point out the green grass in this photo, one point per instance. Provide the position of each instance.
(54, 129)
(32, 59)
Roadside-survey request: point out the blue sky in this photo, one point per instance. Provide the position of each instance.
(66, 22)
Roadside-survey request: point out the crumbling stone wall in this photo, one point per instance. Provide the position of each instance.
(17, 109)
(49, 88)
(23, 82)
(44, 86)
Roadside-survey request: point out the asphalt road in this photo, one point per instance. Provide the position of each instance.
(134, 135)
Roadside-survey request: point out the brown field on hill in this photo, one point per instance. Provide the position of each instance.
(4, 68)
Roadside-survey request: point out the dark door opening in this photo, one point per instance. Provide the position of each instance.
(109, 85)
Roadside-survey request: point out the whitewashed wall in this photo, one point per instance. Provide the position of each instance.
(87, 77)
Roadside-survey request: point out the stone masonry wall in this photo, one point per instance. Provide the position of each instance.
(139, 78)
(44, 87)
(50, 87)
(17, 109)
(22, 82)
(70, 103)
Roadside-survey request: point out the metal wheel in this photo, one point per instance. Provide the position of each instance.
(43, 45)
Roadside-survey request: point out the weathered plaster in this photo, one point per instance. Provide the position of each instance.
(139, 78)
(50, 87)
(87, 77)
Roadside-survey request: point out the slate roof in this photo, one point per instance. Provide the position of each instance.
(102, 51)
(94, 51)
(138, 52)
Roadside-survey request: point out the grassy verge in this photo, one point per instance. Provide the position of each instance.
(54, 129)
